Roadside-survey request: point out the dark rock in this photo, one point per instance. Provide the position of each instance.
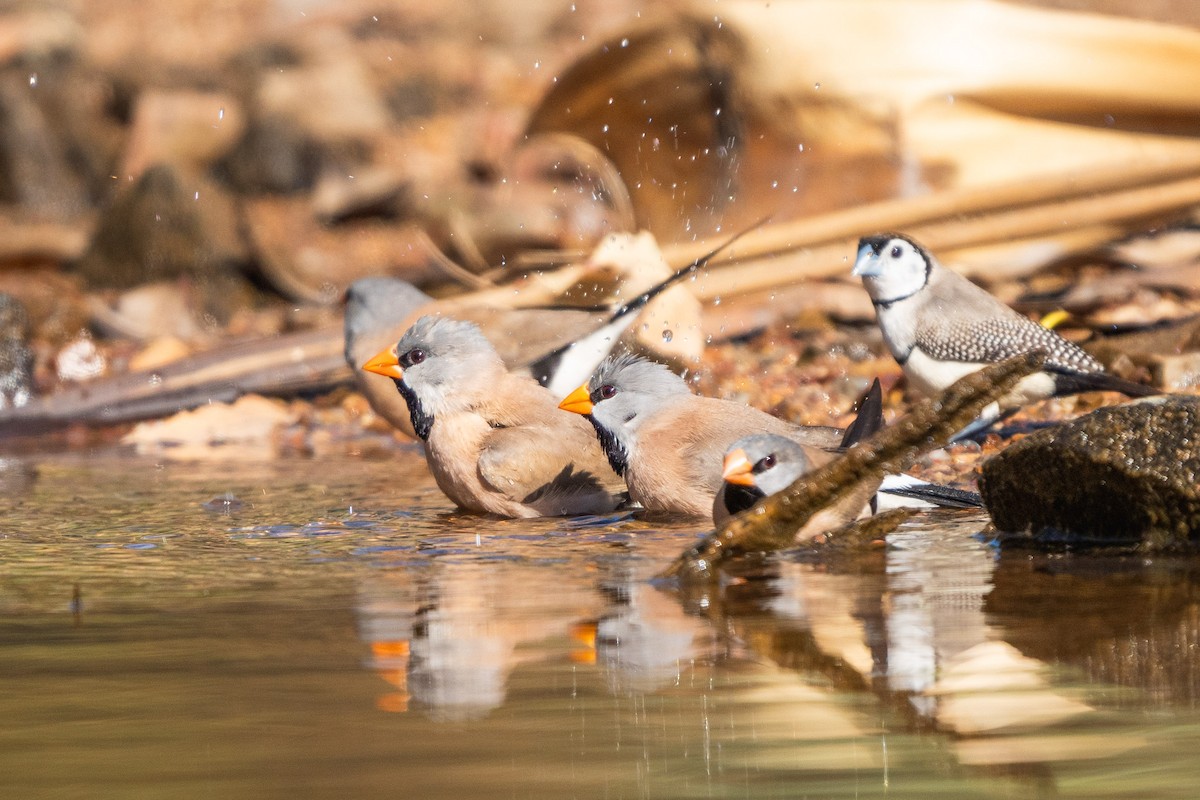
(164, 226)
(35, 171)
(1120, 475)
(274, 155)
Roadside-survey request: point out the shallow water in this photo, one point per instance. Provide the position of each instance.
(338, 632)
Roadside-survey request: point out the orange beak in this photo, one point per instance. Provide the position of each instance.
(385, 363)
(578, 401)
(737, 469)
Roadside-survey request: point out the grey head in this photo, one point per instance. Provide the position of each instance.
(893, 267)
(441, 357)
(758, 466)
(375, 304)
(625, 391)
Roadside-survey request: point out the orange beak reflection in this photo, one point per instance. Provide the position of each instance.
(578, 401)
(738, 469)
(385, 363)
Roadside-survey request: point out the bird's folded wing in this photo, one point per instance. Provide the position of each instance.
(526, 462)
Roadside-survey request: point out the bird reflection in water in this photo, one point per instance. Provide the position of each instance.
(957, 638)
(1013, 656)
(447, 638)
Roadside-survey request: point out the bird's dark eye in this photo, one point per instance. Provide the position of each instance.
(896, 251)
(607, 391)
(414, 356)
(765, 463)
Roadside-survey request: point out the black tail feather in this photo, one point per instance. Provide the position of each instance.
(869, 419)
(943, 496)
(1069, 382)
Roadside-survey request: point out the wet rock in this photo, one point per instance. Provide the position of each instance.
(16, 358)
(165, 225)
(1120, 475)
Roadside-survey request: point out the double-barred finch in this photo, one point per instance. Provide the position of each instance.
(666, 442)
(495, 441)
(940, 326)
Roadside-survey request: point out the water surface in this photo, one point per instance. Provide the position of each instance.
(336, 630)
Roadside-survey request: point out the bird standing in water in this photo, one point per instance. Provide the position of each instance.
(495, 441)
(666, 442)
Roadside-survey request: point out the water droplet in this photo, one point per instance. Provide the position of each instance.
(33, 79)
(800, 147)
(667, 335)
(604, 128)
(817, 86)
(221, 113)
(155, 379)
(625, 42)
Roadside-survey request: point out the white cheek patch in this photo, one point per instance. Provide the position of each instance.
(435, 399)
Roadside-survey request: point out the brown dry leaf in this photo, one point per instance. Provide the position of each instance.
(220, 430)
